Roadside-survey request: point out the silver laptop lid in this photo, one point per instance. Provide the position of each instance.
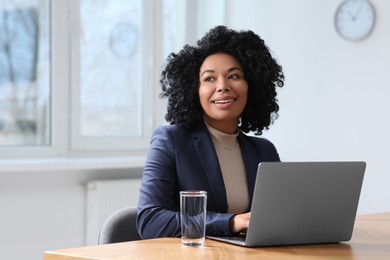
(304, 202)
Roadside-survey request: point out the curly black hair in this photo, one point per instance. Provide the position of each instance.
(180, 78)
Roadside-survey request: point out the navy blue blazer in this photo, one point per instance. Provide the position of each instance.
(183, 158)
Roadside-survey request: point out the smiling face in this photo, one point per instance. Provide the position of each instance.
(223, 91)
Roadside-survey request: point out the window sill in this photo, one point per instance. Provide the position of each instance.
(50, 164)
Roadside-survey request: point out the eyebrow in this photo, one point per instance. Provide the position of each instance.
(229, 70)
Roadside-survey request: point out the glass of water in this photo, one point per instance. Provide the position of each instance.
(193, 206)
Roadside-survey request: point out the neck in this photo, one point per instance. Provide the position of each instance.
(227, 127)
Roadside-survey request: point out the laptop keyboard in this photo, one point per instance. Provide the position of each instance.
(236, 238)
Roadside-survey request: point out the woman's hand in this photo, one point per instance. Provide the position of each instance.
(239, 223)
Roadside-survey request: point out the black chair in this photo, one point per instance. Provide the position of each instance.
(120, 226)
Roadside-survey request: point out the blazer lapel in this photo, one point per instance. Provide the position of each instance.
(209, 160)
(250, 161)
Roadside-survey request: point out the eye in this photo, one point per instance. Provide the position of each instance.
(210, 79)
(234, 76)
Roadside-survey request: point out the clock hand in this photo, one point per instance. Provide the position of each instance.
(351, 15)
(357, 11)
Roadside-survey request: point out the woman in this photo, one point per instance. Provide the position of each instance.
(218, 90)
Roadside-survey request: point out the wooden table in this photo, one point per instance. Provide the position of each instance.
(370, 240)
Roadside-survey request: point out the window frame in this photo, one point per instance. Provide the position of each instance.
(64, 93)
(152, 17)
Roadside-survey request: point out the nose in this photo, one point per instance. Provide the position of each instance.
(223, 85)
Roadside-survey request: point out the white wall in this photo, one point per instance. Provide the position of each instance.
(45, 210)
(334, 105)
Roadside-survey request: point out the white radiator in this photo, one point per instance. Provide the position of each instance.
(103, 198)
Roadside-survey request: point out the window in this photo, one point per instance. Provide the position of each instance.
(25, 73)
(109, 75)
(81, 77)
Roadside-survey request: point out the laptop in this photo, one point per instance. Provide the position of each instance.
(302, 203)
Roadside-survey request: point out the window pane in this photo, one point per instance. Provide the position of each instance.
(170, 30)
(111, 68)
(24, 73)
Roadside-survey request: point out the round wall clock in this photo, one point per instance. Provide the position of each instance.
(354, 19)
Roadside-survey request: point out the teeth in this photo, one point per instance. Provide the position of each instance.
(223, 101)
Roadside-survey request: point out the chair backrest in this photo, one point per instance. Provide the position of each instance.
(120, 226)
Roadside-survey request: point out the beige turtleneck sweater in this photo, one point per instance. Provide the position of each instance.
(233, 169)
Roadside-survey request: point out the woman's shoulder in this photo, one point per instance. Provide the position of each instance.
(257, 140)
(195, 128)
(173, 128)
(173, 131)
(261, 144)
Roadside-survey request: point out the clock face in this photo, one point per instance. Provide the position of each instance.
(355, 19)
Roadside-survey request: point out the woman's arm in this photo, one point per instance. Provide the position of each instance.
(159, 205)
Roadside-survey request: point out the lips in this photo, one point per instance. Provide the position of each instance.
(224, 101)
